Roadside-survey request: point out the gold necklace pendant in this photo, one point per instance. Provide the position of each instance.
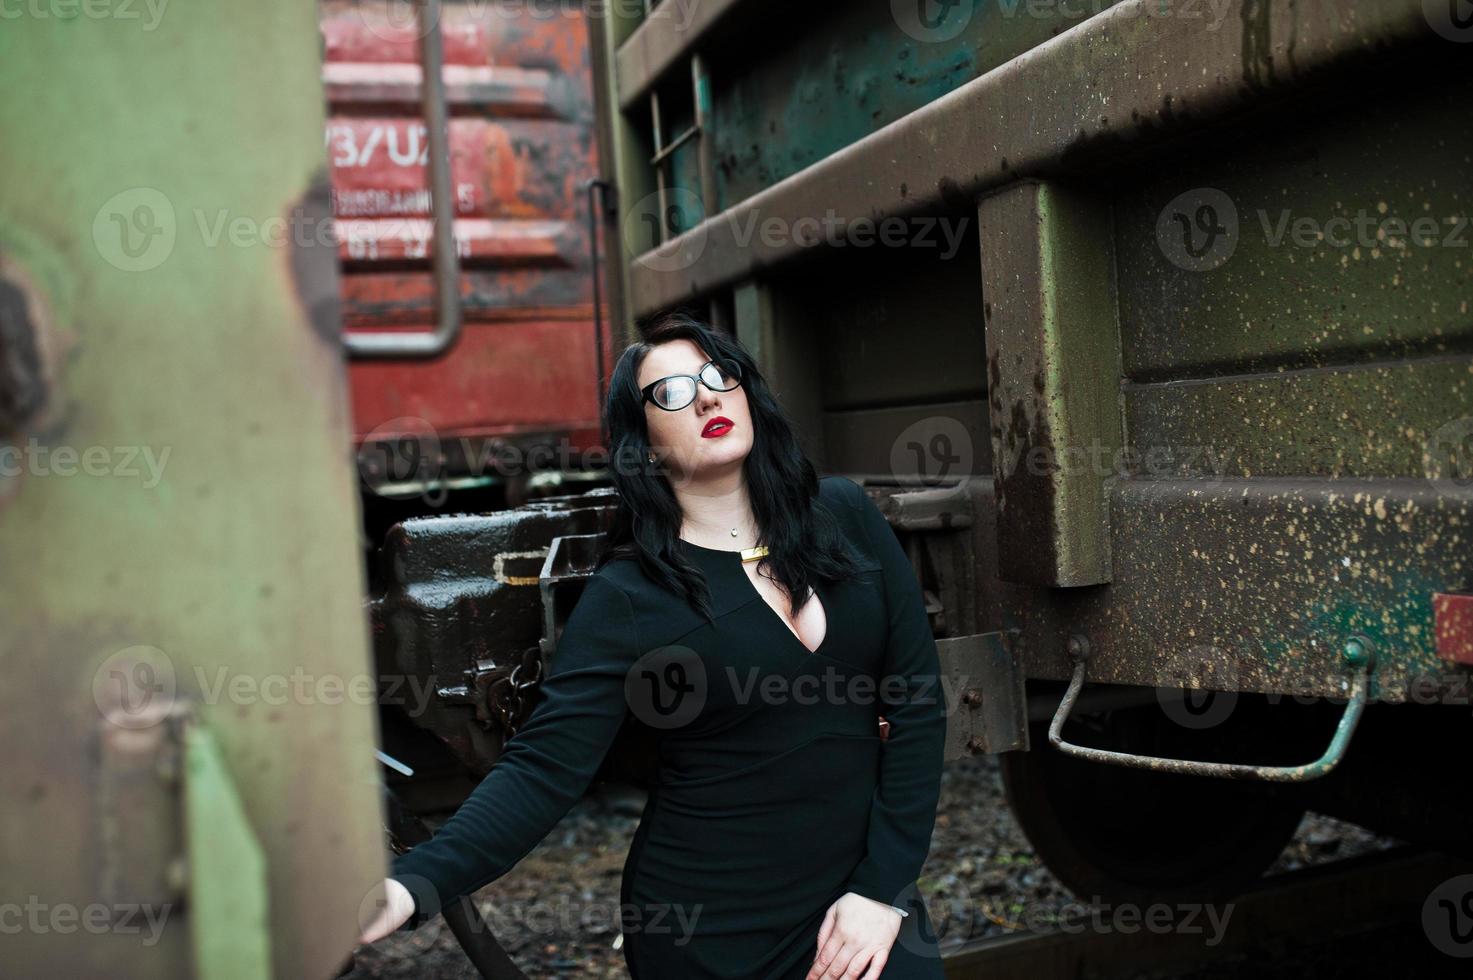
(752, 554)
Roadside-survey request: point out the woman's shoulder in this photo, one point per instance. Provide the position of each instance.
(849, 503)
(841, 489)
(623, 574)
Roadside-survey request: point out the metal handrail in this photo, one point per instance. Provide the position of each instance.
(594, 187)
(1359, 656)
(448, 314)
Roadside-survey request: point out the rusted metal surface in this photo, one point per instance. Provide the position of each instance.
(139, 804)
(831, 75)
(1383, 418)
(23, 386)
(1347, 237)
(314, 273)
(663, 38)
(1239, 587)
(1053, 368)
(462, 606)
(1452, 615)
(1248, 584)
(847, 345)
(444, 257)
(987, 710)
(193, 496)
(1270, 449)
(1122, 81)
(939, 509)
(521, 144)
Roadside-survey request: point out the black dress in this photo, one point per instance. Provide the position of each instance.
(775, 794)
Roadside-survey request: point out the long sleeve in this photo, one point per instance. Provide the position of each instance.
(903, 813)
(543, 769)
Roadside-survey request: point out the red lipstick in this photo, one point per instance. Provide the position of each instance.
(718, 426)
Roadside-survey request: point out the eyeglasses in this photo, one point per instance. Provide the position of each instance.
(679, 390)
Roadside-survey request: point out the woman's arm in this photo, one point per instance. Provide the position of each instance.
(544, 768)
(903, 813)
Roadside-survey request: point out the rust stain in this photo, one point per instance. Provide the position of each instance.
(23, 388)
(314, 268)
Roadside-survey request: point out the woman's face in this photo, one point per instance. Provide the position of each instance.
(690, 443)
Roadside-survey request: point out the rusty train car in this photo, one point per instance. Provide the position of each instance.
(1192, 391)
(1149, 324)
(1146, 323)
(472, 316)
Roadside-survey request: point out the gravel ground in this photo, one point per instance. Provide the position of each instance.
(557, 911)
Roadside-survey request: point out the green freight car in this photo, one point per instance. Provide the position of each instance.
(190, 789)
(1149, 324)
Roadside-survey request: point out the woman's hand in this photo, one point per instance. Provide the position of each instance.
(398, 907)
(857, 933)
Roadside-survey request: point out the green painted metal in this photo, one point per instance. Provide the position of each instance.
(1370, 420)
(1318, 265)
(1123, 86)
(1235, 584)
(1053, 367)
(203, 505)
(229, 903)
(782, 98)
(836, 73)
(1293, 419)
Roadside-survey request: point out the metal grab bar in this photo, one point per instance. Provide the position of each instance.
(1359, 656)
(448, 318)
(594, 187)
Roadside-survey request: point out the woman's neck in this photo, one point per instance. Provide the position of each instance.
(712, 507)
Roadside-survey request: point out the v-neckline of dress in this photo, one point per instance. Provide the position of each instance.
(756, 594)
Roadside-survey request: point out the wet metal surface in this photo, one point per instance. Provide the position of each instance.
(237, 560)
(521, 144)
(1052, 378)
(23, 391)
(1121, 80)
(461, 607)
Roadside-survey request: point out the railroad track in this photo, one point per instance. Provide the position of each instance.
(1324, 903)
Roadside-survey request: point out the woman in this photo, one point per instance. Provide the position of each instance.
(783, 834)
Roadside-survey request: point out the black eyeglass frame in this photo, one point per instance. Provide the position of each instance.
(647, 392)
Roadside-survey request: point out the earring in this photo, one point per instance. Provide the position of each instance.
(652, 457)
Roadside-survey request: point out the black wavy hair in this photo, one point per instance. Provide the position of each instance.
(804, 541)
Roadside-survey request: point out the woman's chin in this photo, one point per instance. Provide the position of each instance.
(717, 460)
